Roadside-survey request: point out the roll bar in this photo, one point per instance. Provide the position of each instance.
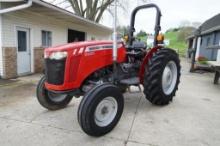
(157, 24)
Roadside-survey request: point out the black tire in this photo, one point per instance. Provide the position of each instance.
(89, 103)
(46, 100)
(153, 88)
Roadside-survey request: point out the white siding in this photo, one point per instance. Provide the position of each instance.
(36, 23)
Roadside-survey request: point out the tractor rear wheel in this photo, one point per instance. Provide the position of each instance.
(50, 100)
(100, 109)
(162, 76)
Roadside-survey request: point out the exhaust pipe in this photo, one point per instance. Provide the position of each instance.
(115, 45)
(115, 33)
(20, 7)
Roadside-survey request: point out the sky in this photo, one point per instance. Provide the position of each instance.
(174, 13)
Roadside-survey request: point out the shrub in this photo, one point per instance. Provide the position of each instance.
(202, 60)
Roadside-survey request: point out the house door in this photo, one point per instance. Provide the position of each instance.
(23, 51)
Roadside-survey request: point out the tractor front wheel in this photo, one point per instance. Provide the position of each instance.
(50, 100)
(100, 109)
(162, 76)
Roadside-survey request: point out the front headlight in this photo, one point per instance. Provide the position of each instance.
(58, 55)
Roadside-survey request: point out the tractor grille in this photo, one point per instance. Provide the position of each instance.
(54, 71)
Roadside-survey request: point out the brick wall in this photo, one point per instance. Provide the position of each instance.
(38, 59)
(9, 62)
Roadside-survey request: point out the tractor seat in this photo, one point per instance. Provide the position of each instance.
(137, 45)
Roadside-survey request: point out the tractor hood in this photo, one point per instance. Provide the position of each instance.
(75, 45)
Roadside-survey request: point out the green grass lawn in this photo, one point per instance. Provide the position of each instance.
(180, 46)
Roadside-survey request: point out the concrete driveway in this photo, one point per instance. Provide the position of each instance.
(192, 119)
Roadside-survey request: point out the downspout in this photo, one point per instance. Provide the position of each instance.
(115, 47)
(20, 7)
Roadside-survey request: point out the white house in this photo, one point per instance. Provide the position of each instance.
(207, 43)
(25, 33)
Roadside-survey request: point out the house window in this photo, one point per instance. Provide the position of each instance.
(215, 38)
(208, 41)
(201, 42)
(46, 38)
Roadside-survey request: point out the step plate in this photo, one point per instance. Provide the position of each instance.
(130, 81)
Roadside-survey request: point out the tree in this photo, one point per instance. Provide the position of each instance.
(184, 32)
(196, 24)
(185, 23)
(141, 33)
(94, 9)
(90, 9)
(123, 30)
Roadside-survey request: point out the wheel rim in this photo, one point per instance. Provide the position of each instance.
(106, 111)
(56, 97)
(169, 77)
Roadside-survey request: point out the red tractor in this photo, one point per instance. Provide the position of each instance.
(88, 69)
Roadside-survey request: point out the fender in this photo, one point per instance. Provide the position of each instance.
(145, 61)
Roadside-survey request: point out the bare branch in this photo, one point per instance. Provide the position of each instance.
(94, 9)
(75, 6)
